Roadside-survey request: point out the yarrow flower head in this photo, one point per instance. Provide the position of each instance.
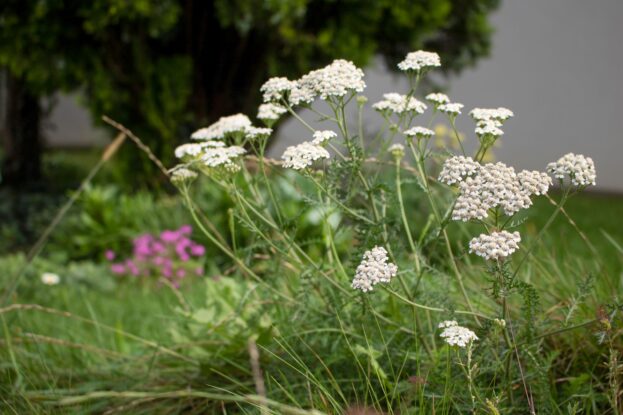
(500, 114)
(489, 128)
(396, 103)
(373, 269)
(221, 160)
(535, 182)
(494, 185)
(255, 132)
(417, 61)
(419, 132)
(334, 80)
(451, 108)
(447, 323)
(301, 156)
(275, 88)
(438, 98)
(270, 112)
(192, 150)
(397, 150)
(181, 174)
(496, 246)
(49, 278)
(579, 169)
(237, 123)
(322, 137)
(456, 169)
(300, 95)
(455, 335)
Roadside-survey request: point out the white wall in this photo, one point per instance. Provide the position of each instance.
(71, 125)
(558, 64)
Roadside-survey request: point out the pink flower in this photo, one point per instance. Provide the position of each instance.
(169, 236)
(199, 271)
(158, 247)
(181, 273)
(142, 245)
(197, 250)
(117, 269)
(109, 254)
(186, 229)
(132, 268)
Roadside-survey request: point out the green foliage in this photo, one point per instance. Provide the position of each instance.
(279, 325)
(157, 66)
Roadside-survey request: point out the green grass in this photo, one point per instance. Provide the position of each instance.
(321, 351)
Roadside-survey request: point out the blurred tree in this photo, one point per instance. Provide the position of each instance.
(163, 67)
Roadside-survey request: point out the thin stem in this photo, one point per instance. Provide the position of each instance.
(455, 268)
(340, 204)
(559, 207)
(405, 222)
(437, 309)
(457, 135)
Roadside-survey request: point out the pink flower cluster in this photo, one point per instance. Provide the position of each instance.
(172, 255)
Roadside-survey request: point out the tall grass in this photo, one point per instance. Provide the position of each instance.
(276, 327)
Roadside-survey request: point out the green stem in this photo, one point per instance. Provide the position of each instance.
(553, 216)
(267, 182)
(431, 201)
(340, 204)
(437, 309)
(405, 222)
(456, 134)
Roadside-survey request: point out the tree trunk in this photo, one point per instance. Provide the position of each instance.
(21, 138)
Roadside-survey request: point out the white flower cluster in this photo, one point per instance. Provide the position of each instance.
(500, 114)
(221, 159)
(457, 168)
(270, 111)
(301, 156)
(489, 120)
(275, 88)
(420, 132)
(237, 123)
(451, 108)
(416, 61)
(447, 323)
(332, 81)
(182, 174)
(496, 246)
(578, 168)
(373, 269)
(396, 103)
(438, 98)
(490, 128)
(397, 150)
(255, 132)
(535, 182)
(191, 150)
(301, 95)
(214, 156)
(455, 335)
(49, 278)
(321, 137)
(495, 185)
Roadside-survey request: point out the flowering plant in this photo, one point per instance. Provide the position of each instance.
(172, 255)
(401, 249)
